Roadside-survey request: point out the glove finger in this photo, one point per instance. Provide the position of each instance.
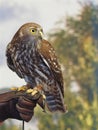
(23, 110)
(23, 101)
(25, 114)
(26, 117)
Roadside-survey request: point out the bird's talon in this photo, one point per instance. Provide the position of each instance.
(44, 97)
(14, 88)
(22, 88)
(30, 90)
(34, 92)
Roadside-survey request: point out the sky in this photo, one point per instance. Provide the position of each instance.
(14, 13)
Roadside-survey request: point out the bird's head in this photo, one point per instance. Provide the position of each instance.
(31, 30)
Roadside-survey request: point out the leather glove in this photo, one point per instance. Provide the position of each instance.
(25, 107)
(20, 108)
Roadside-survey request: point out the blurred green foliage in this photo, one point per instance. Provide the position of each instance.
(77, 47)
(9, 126)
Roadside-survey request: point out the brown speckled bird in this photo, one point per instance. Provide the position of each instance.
(34, 60)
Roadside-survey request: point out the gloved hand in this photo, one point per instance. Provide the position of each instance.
(25, 107)
(20, 108)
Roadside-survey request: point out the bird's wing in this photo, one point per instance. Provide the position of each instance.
(10, 63)
(9, 59)
(48, 53)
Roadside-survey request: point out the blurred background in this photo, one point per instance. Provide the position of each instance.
(72, 28)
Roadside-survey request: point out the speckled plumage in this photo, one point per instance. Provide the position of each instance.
(34, 60)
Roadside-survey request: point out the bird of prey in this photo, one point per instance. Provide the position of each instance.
(33, 59)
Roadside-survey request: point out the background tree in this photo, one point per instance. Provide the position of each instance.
(9, 126)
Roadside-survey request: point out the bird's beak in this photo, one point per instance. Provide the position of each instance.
(41, 35)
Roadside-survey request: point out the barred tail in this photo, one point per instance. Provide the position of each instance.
(55, 101)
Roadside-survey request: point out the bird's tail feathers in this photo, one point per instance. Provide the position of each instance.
(55, 101)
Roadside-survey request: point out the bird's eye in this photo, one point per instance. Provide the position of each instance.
(33, 31)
